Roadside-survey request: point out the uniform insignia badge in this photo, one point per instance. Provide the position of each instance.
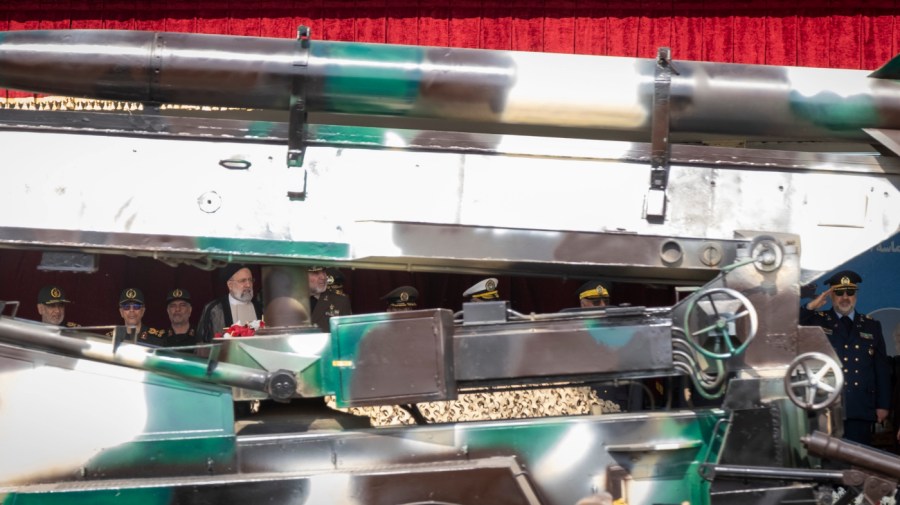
(55, 293)
(404, 296)
(871, 351)
(490, 285)
(130, 294)
(867, 336)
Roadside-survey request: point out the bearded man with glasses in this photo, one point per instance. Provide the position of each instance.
(859, 344)
(239, 304)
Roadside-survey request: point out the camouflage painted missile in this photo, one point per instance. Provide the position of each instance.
(280, 384)
(479, 86)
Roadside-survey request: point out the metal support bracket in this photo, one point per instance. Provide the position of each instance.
(298, 112)
(655, 202)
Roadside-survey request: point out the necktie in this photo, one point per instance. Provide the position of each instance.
(847, 323)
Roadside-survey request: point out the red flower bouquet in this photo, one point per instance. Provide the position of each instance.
(240, 329)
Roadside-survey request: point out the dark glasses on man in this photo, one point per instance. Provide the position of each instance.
(842, 292)
(131, 306)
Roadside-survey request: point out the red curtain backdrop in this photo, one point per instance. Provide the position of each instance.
(844, 34)
(841, 34)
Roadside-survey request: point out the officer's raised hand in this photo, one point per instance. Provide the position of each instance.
(817, 302)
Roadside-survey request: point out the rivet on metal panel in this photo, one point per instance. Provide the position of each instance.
(209, 202)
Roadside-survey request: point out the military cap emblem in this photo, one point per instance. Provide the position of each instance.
(51, 295)
(490, 285)
(131, 293)
(177, 293)
(404, 296)
(844, 278)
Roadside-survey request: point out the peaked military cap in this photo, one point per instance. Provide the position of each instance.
(50, 295)
(592, 290)
(131, 295)
(844, 279)
(178, 294)
(484, 290)
(403, 297)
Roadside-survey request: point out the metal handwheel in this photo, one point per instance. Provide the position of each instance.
(725, 306)
(814, 380)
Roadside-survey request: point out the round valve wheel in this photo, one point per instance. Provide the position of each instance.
(814, 380)
(724, 307)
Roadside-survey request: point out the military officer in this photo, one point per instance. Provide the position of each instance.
(131, 308)
(483, 290)
(324, 304)
(859, 344)
(51, 306)
(593, 294)
(401, 299)
(178, 306)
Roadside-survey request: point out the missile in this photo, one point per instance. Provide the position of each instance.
(452, 85)
(280, 384)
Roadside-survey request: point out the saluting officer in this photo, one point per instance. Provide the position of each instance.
(859, 344)
(51, 306)
(593, 294)
(483, 290)
(131, 308)
(178, 306)
(401, 299)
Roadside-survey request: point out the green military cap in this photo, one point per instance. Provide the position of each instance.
(131, 295)
(403, 297)
(50, 295)
(178, 294)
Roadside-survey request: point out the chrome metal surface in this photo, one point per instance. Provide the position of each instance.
(452, 217)
(490, 87)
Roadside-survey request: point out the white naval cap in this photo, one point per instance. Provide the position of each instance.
(484, 290)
